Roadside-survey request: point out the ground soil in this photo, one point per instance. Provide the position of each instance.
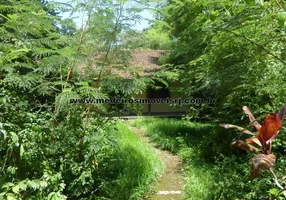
(170, 183)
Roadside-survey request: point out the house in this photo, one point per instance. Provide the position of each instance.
(145, 63)
(148, 60)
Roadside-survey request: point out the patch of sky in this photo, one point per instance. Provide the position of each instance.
(146, 16)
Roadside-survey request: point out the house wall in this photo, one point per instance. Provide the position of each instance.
(162, 108)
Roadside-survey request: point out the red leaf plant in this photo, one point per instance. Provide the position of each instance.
(267, 132)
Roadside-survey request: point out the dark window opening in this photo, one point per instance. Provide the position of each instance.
(163, 92)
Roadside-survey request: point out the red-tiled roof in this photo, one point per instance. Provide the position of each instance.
(142, 63)
(148, 59)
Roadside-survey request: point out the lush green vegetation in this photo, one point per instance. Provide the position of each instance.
(233, 52)
(110, 162)
(214, 169)
(50, 149)
(133, 166)
(230, 50)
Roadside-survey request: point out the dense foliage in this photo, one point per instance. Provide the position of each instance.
(51, 149)
(232, 51)
(214, 169)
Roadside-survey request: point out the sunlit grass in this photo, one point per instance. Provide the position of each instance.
(135, 166)
(212, 169)
(170, 133)
(198, 181)
(183, 137)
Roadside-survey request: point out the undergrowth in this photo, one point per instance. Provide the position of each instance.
(108, 162)
(132, 167)
(213, 169)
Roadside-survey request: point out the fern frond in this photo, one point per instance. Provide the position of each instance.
(14, 54)
(66, 52)
(6, 8)
(51, 64)
(45, 88)
(90, 92)
(140, 84)
(61, 83)
(17, 65)
(63, 99)
(22, 81)
(43, 52)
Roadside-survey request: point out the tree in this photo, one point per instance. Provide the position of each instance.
(157, 37)
(50, 148)
(103, 48)
(230, 51)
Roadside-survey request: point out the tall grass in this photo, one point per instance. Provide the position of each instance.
(170, 133)
(183, 138)
(213, 170)
(133, 166)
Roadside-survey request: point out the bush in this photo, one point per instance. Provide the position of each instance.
(46, 159)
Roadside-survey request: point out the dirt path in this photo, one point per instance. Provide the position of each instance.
(170, 184)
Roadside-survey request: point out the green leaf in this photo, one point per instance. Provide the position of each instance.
(22, 150)
(284, 193)
(67, 90)
(281, 22)
(52, 196)
(66, 52)
(10, 196)
(260, 2)
(16, 189)
(32, 184)
(14, 138)
(43, 184)
(213, 15)
(281, 18)
(7, 185)
(82, 83)
(5, 8)
(11, 169)
(274, 191)
(61, 83)
(23, 185)
(13, 17)
(250, 2)
(42, 52)
(56, 196)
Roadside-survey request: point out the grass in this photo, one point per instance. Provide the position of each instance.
(170, 134)
(198, 181)
(183, 138)
(213, 170)
(134, 166)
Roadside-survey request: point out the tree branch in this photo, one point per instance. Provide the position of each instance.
(110, 44)
(243, 130)
(276, 180)
(251, 118)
